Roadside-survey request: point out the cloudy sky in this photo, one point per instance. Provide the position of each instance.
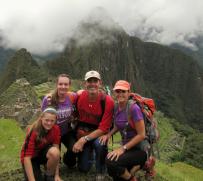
(43, 26)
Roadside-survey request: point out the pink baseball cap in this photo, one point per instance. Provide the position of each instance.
(122, 85)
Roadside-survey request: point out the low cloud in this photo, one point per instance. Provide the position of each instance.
(45, 26)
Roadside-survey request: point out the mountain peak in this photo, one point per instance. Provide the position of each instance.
(21, 65)
(98, 25)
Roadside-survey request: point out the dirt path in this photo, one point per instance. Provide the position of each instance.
(66, 175)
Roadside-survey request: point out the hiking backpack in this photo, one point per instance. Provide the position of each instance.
(147, 107)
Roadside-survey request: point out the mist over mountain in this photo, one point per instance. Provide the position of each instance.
(171, 77)
(197, 53)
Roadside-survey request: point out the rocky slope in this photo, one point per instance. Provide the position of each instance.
(19, 102)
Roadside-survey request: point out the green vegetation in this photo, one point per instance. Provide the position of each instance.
(22, 65)
(192, 151)
(11, 140)
(171, 142)
(43, 89)
(178, 172)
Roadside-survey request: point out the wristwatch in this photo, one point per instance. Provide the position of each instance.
(87, 138)
(125, 148)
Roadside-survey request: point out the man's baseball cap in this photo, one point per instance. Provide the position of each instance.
(92, 73)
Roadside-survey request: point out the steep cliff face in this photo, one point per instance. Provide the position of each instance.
(5, 55)
(168, 75)
(21, 65)
(175, 82)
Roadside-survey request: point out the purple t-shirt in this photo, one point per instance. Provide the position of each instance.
(122, 123)
(64, 113)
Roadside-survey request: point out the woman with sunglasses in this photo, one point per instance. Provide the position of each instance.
(122, 161)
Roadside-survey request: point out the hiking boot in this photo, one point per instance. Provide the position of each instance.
(149, 164)
(48, 178)
(100, 177)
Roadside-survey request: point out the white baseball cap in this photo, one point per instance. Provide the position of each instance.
(92, 73)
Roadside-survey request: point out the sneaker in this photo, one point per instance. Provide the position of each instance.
(100, 177)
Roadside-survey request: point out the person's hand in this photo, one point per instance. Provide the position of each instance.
(114, 155)
(78, 146)
(49, 97)
(57, 178)
(103, 140)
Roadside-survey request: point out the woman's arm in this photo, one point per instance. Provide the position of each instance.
(105, 138)
(140, 129)
(28, 168)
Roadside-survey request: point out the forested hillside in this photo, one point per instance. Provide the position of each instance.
(172, 78)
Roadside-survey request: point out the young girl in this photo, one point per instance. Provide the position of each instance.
(41, 146)
(121, 161)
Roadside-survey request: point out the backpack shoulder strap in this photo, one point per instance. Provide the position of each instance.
(129, 112)
(103, 104)
(115, 108)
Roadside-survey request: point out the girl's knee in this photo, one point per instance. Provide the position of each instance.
(53, 153)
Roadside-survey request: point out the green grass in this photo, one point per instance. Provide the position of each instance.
(171, 142)
(11, 140)
(12, 137)
(178, 172)
(43, 89)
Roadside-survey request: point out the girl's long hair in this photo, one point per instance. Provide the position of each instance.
(55, 97)
(38, 128)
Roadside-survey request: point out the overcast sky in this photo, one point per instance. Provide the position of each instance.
(43, 26)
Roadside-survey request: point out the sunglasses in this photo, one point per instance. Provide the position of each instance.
(120, 91)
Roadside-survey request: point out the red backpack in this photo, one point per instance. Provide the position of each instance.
(148, 108)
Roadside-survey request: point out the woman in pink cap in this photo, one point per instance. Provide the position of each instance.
(122, 161)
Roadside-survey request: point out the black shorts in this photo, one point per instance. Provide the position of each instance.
(41, 159)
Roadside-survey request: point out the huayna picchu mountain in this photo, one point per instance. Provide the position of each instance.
(157, 71)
